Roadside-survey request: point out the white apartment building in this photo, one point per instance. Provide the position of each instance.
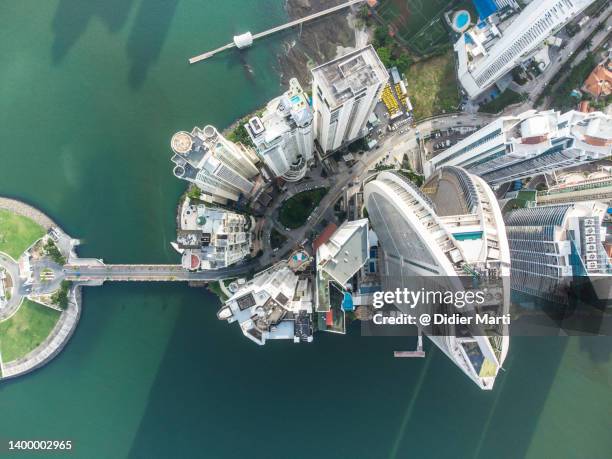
(283, 135)
(344, 94)
(551, 244)
(276, 304)
(516, 147)
(222, 169)
(489, 50)
(212, 238)
(339, 258)
(577, 187)
(442, 238)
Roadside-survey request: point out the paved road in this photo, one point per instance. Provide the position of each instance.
(12, 268)
(95, 272)
(535, 88)
(396, 144)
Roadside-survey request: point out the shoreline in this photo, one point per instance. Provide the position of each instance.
(305, 50)
(361, 38)
(29, 364)
(26, 210)
(68, 320)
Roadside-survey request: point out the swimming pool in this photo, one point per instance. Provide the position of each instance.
(461, 20)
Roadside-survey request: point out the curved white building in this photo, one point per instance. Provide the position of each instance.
(222, 169)
(437, 238)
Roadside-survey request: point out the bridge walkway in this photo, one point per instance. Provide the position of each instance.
(273, 30)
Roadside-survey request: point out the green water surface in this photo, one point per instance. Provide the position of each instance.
(90, 93)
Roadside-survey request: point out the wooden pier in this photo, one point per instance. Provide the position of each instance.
(418, 353)
(288, 25)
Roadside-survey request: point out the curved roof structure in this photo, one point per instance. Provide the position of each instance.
(442, 238)
(538, 216)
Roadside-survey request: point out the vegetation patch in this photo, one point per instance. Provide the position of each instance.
(60, 298)
(390, 53)
(412, 176)
(239, 133)
(415, 23)
(432, 86)
(17, 233)
(506, 98)
(215, 287)
(297, 209)
(561, 97)
(277, 239)
(26, 330)
(53, 252)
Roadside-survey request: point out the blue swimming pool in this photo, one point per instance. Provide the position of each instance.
(461, 19)
(347, 302)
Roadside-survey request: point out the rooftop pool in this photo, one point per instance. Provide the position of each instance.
(461, 21)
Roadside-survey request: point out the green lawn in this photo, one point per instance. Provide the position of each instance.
(408, 17)
(295, 210)
(432, 86)
(430, 38)
(508, 97)
(17, 233)
(26, 330)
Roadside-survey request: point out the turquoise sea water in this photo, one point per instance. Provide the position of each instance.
(91, 93)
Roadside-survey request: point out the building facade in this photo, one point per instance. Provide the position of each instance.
(551, 244)
(212, 238)
(340, 256)
(222, 169)
(276, 304)
(283, 135)
(448, 236)
(577, 187)
(516, 147)
(344, 94)
(489, 51)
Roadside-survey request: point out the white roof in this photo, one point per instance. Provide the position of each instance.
(539, 125)
(346, 251)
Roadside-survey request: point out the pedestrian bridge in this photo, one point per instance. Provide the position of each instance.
(288, 25)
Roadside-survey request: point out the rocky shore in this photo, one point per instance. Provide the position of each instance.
(319, 41)
(25, 210)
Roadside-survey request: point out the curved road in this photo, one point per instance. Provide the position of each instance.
(96, 273)
(394, 143)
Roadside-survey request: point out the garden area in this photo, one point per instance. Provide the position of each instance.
(506, 98)
(277, 239)
(432, 86)
(560, 96)
(417, 24)
(17, 233)
(296, 210)
(26, 329)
